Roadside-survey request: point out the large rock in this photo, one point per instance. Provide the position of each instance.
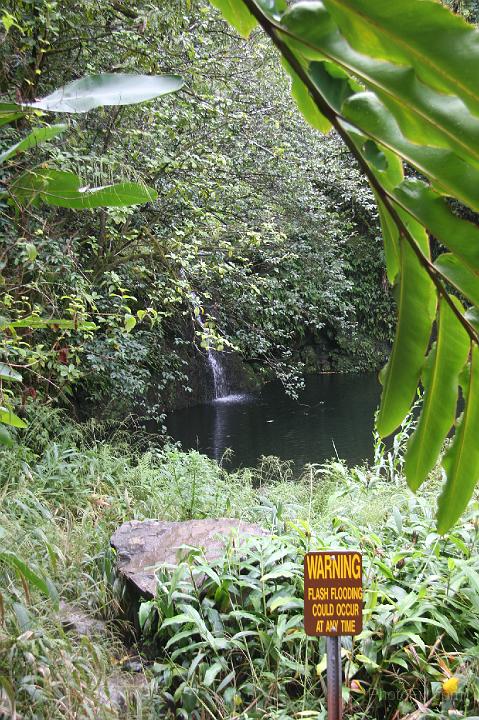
(142, 546)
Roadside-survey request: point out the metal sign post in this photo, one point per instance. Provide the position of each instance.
(333, 595)
(334, 678)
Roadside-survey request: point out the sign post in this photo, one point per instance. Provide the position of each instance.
(333, 606)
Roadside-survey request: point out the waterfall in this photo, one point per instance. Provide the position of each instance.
(215, 361)
(220, 383)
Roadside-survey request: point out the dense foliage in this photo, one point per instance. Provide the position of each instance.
(237, 648)
(274, 246)
(398, 84)
(238, 641)
(161, 197)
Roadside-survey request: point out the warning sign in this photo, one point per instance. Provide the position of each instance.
(333, 593)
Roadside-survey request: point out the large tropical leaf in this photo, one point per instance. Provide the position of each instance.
(461, 461)
(36, 137)
(418, 65)
(305, 102)
(424, 113)
(390, 234)
(441, 385)
(448, 173)
(64, 189)
(335, 85)
(237, 14)
(441, 47)
(9, 112)
(273, 8)
(389, 173)
(458, 235)
(459, 275)
(416, 309)
(94, 91)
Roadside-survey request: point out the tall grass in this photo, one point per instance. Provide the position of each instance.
(66, 488)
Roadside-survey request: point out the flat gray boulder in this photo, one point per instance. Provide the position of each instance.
(142, 546)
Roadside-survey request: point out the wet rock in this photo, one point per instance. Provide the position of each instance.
(142, 546)
(79, 622)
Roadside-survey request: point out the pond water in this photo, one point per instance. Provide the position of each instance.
(333, 417)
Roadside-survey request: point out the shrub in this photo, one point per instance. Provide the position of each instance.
(230, 638)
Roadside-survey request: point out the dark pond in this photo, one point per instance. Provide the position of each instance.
(333, 415)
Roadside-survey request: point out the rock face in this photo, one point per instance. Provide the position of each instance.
(80, 623)
(142, 546)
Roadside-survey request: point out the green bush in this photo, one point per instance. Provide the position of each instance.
(65, 492)
(230, 638)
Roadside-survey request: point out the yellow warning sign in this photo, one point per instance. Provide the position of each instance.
(333, 593)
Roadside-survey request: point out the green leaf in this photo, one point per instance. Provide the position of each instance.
(144, 613)
(334, 84)
(32, 251)
(8, 373)
(22, 616)
(118, 195)
(425, 115)
(390, 235)
(440, 380)
(461, 462)
(130, 322)
(46, 587)
(458, 235)
(64, 189)
(9, 112)
(95, 91)
(273, 8)
(464, 279)
(8, 417)
(389, 175)
(392, 173)
(305, 102)
(375, 156)
(8, 20)
(448, 173)
(211, 673)
(416, 302)
(237, 14)
(8, 692)
(472, 315)
(35, 322)
(36, 137)
(176, 620)
(441, 47)
(5, 437)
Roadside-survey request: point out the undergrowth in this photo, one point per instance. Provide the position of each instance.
(66, 488)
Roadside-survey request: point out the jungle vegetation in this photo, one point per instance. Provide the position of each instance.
(297, 186)
(277, 247)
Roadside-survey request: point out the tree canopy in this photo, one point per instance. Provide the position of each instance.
(251, 231)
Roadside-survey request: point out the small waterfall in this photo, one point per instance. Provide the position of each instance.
(221, 388)
(215, 363)
(220, 383)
